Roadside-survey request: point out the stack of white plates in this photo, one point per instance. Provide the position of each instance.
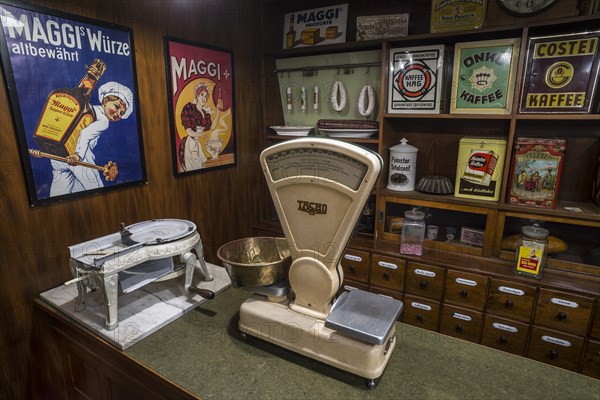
(349, 132)
(292, 130)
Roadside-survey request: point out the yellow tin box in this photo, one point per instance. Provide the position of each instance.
(479, 168)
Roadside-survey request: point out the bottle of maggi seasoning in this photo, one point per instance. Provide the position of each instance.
(531, 251)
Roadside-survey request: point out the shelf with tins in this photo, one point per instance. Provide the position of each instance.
(437, 136)
(444, 130)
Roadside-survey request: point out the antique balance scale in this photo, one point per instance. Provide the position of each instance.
(319, 187)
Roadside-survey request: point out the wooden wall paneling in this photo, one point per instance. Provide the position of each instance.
(222, 202)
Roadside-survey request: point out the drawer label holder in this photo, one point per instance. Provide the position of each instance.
(509, 290)
(424, 272)
(553, 340)
(420, 306)
(504, 327)
(352, 257)
(389, 265)
(464, 281)
(566, 303)
(461, 316)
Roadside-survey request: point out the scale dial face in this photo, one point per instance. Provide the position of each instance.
(523, 8)
(320, 164)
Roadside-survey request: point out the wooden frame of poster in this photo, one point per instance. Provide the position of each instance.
(483, 79)
(561, 74)
(73, 93)
(201, 109)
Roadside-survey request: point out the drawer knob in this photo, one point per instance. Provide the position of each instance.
(509, 304)
(459, 328)
(419, 317)
(553, 354)
(503, 339)
(464, 293)
(386, 276)
(562, 316)
(352, 268)
(423, 284)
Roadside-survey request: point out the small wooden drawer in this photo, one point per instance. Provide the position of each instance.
(591, 360)
(563, 311)
(595, 332)
(421, 312)
(504, 334)
(425, 280)
(387, 272)
(356, 265)
(556, 348)
(465, 289)
(461, 323)
(511, 300)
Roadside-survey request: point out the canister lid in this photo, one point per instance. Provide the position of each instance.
(535, 232)
(403, 146)
(414, 215)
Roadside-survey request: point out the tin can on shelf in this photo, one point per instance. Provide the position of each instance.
(403, 165)
(479, 168)
(530, 256)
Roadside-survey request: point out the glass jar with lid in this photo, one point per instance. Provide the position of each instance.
(413, 233)
(530, 256)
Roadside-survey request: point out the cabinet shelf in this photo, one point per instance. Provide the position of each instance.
(448, 116)
(574, 117)
(589, 215)
(372, 140)
(439, 199)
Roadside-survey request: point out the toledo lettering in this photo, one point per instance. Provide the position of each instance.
(312, 208)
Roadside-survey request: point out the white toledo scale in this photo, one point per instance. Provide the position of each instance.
(319, 187)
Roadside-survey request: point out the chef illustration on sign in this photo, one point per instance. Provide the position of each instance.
(78, 171)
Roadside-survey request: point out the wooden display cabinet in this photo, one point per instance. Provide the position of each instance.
(510, 311)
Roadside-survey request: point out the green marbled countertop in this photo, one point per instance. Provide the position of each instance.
(202, 352)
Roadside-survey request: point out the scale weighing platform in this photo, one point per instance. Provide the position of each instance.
(319, 188)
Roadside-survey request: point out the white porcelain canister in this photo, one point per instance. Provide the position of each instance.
(403, 165)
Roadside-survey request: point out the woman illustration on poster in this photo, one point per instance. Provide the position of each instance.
(197, 120)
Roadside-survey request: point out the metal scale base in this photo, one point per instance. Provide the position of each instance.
(278, 324)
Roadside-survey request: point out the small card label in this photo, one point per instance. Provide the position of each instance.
(461, 316)
(553, 340)
(352, 257)
(467, 282)
(504, 327)
(509, 290)
(387, 265)
(562, 302)
(424, 272)
(420, 306)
